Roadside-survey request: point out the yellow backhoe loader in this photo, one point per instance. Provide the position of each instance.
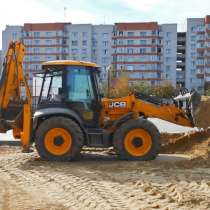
(71, 112)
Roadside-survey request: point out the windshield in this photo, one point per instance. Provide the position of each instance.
(79, 84)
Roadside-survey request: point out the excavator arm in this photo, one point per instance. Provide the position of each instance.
(15, 96)
(140, 106)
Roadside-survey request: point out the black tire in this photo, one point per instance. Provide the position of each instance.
(77, 138)
(124, 129)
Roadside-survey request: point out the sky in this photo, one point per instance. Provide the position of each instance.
(18, 12)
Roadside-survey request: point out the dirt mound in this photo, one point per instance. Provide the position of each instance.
(202, 113)
(196, 144)
(170, 138)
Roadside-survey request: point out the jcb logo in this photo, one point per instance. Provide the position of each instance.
(117, 104)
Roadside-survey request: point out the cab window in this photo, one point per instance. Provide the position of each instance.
(79, 85)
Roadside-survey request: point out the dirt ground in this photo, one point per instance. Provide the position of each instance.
(100, 181)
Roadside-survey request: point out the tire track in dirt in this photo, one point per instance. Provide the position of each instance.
(71, 188)
(94, 185)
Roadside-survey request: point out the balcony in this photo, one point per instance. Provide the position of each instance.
(200, 74)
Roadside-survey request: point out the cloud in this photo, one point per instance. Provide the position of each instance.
(79, 16)
(35, 11)
(142, 5)
(91, 11)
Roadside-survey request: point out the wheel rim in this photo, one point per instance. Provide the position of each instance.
(138, 142)
(58, 141)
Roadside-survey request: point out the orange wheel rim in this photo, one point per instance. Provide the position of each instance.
(138, 142)
(58, 141)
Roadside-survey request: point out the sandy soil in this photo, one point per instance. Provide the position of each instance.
(101, 181)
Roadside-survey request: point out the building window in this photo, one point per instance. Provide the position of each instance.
(95, 43)
(154, 32)
(152, 82)
(168, 42)
(105, 52)
(84, 58)
(120, 42)
(95, 35)
(120, 33)
(130, 51)
(168, 68)
(48, 33)
(74, 43)
(84, 35)
(48, 42)
(193, 46)
(58, 41)
(26, 33)
(48, 50)
(193, 38)
(36, 33)
(74, 35)
(142, 50)
(153, 49)
(84, 51)
(74, 51)
(168, 51)
(104, 60)
(167, 59)
(94, 51)
(130, 33)
(64, 41)
(153, 41)
(14, 35)
(143, 33)
(168, 34)
(36, 41)
(36, 50)
(130, 42)
(130, 68)
(105, 35)
(84, 43)
(105, 43)
(143, 41)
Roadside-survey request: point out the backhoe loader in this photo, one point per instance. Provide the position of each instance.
(71, 113)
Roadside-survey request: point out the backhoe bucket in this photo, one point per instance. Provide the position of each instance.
(190, 101)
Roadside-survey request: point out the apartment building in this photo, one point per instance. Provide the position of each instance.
(11, 33)
(181, 59)
(147, 51)
(168, 55)
(198, 53)
(60, 41)
(44, 42)
(1, 61)
(91, 43)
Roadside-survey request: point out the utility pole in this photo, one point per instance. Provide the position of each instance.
(64, 13)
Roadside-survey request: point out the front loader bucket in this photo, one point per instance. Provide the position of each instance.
(190, 101)
(195, 101)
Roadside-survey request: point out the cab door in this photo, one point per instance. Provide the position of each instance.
(81, 94)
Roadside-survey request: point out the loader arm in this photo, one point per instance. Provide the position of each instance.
(15, 95)
(115, 109)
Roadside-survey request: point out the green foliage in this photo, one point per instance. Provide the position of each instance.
(208, 92)
(119, 86)
(165, 90)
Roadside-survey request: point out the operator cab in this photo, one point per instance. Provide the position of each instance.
(71, 85)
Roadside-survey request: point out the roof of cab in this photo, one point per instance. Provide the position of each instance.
(69, 63)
